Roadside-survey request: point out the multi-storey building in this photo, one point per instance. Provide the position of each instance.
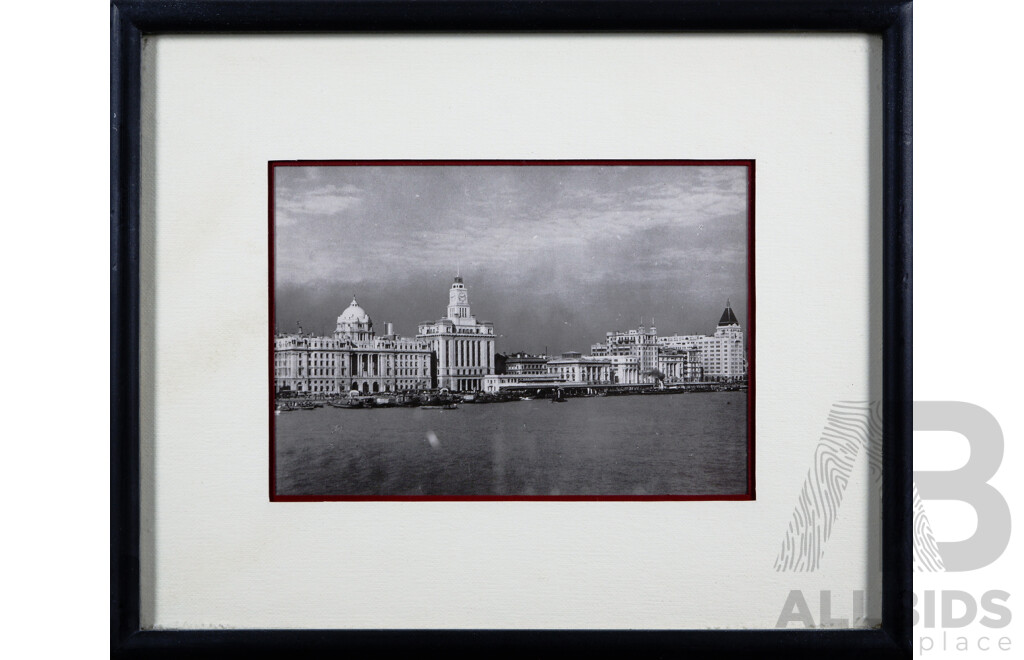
(575, 368)
(524, 364)
(498, 382)
(463, 346)
(722, 356)
(633, 354)
(678, 365)
(625, 370)
(354, 358)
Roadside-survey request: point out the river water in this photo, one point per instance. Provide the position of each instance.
(680, 444)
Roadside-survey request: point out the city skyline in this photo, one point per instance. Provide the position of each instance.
(554, 256)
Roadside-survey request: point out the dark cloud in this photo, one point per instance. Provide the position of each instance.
(554, 256)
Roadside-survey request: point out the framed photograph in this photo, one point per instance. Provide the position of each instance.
(567, 247)
(484, 326)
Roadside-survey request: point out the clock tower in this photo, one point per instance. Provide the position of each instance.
(458, 300)
(463, 346)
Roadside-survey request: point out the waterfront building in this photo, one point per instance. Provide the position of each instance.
(524, 364)
(463, 347)
(575, 368)
(680, 365)
(353, 358)
(722, 355)
(495, 383)
(633, 354)
(626, 370)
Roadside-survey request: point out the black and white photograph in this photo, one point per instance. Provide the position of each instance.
(556, 330)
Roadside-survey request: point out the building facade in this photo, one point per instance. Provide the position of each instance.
(575, 368)
(722, 356)
(353, 358)
(679, 365)
(524, 364)
(633, 354)
(496, 383)
(626, 370)
(463, 346)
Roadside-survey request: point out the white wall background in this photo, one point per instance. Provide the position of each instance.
(968, 217)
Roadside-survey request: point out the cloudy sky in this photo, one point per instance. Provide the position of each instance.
(555, 256)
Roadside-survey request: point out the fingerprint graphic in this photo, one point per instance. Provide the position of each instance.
(851, 428)
(926, 551)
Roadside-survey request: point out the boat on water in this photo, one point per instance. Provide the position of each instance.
(557, 397)
(443, 406)
(346, 403)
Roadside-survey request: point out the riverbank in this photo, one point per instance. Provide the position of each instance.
(412, 399)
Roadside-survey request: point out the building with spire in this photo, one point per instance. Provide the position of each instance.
(463, 347)
(722, 356)
(353, 358)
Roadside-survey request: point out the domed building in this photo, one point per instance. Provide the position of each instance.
(353, 358)
(354, 323)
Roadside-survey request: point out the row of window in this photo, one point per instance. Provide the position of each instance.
(284, 371)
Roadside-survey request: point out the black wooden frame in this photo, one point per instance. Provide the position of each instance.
(131, 20)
